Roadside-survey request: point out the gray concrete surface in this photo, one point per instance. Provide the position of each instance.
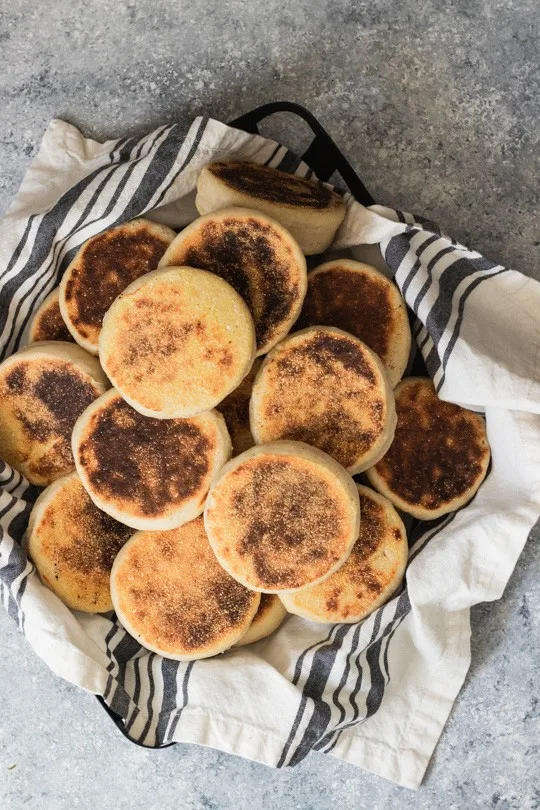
(437, 106)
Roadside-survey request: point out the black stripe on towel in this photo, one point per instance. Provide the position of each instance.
(312, 693)
(169, 701)
(185, 698)
(335, 697)
(151, 692)
(459, 321)
(320, 645)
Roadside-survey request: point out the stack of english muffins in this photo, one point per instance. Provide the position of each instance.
(195, 406)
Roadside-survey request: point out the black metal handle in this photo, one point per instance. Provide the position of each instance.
(119, 723)
(322, 155)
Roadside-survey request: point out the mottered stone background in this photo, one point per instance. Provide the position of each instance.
(437, 107)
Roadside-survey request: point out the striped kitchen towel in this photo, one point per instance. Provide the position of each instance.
(378, 693)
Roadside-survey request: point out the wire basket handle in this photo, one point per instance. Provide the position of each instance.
(322, 155)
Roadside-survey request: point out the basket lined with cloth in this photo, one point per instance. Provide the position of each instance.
(378, 693)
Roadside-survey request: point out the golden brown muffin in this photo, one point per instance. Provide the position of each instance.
(171, 594)
(43, 390)
(309, 210)
(282, 516)
(104, 266)
(270, 615)
(360, 300)
(325, 387)
(439, 456)
(47, 323)
(176, 342)
(257, 257)
(148, 473)
(73, 545)
(372, 573)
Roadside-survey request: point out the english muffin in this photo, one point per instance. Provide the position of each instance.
(257, 256)
(325, 387)
(235, 409)
(73, 545)
(171, 594)
(176, 342)
(360, 300)
(148, 473)
(282, 516)
(439, 456)
(309, 210)
(270, 615)
(372, 573)
(47, 323)
(104, 266)
(43, 390)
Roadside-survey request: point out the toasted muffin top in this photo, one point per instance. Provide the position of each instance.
(144, 466)
(172, 594)
(40, 401)
(48, 323)
(360, 300)
(439, 452)
(74, 544)
(370, 574)
(177, 342)
(104, 266)
(279, 522)
(267, 603)
(275, 186)
(270, 615)
(257, 257)
(323, 387)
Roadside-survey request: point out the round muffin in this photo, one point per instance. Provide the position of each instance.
(270, 615)
(47, 323)
(73, 545)
(439, 456)
(176, 342)
(43, 390)
(325, 387)
(309, 210)
(282, 516)
(148, 473)
(171, 594)
(360, 300)
(257, 257)
(370, 575)
(104, 266)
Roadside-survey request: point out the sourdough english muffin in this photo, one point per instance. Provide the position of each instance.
(360, 300)
(258, 257)
(439, 456)
(148, 473)
(370, 575)
(282, 516)
(171, 594)
(73, 545)
(176, 342)
(308, 209)
(325, 387)
(270, 615)
(43, 389)
(235, 409)
(104, 266)
(47, 323)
